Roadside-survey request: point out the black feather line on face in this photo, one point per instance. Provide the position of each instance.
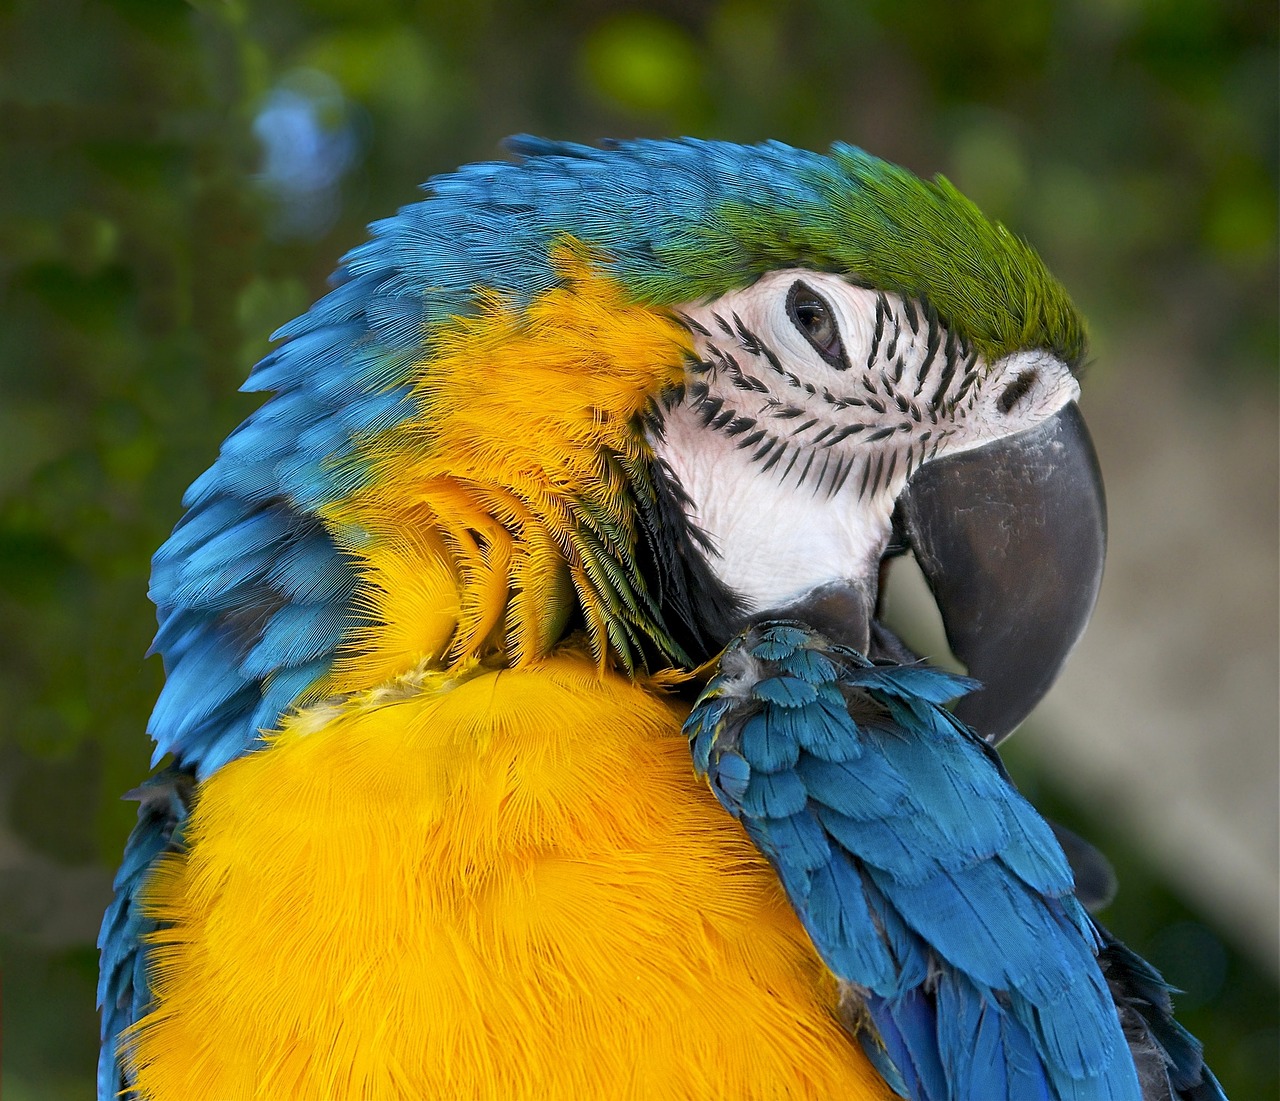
(932, 342)
(698, 609)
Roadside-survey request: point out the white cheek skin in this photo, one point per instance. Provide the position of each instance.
(777, 539)
(775, 542)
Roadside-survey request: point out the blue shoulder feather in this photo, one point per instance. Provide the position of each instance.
(927, 883)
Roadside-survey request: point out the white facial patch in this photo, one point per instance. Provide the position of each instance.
(774, 538)
(810, 405)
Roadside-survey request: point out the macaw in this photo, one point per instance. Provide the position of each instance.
(587, 459)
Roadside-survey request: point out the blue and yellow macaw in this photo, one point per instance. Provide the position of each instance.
(587, 458)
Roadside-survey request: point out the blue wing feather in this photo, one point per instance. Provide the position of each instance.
(909, 1026)
(942, 895)
(768, 747)
(123, 990)
(859, 794)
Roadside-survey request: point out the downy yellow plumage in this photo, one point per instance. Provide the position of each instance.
(483, 883)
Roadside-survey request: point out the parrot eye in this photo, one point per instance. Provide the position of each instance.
(811, 314)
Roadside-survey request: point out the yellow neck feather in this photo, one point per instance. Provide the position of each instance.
(505, 497)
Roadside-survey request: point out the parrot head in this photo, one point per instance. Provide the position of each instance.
(647, 392)
(827, 425)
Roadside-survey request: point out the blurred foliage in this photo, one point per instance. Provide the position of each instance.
(178, 179)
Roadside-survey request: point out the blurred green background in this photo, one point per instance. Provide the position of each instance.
(176, 180)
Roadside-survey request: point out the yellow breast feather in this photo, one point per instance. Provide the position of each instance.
(482, 884)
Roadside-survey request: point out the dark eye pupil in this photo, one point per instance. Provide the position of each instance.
(811, 314)
(815, 320)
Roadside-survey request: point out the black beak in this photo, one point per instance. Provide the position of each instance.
(1011, 538)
